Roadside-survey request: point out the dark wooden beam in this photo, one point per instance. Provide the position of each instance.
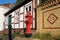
(16, 7)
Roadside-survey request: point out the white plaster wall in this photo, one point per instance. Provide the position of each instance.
(2, 11)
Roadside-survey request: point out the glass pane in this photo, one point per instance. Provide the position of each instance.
(30, 8)
(16, 25)
(16, 20)
(24, 25)
(13, 26)
(21, 17)
(6, 20)
(13, 20)
(21, 25)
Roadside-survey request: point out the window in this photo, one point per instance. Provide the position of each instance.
(21, 17)
(21, 25)
(30, 8)
(13, 20)
(26, 9)
(24, 25)
(6, 20)
(13, 26)
(16, 25)
(16, 17)
(6, 27)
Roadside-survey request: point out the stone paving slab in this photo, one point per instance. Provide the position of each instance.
(18, 38)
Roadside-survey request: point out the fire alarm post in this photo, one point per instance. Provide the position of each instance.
(28, 22)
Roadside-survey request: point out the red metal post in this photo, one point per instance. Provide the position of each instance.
(28, 22)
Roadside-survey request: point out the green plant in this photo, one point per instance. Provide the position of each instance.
(15, 34)
(42, 36)
(57, 37)
(22, 35)
(18, 34)
(45, 36)
(36, 36)
(4, 37)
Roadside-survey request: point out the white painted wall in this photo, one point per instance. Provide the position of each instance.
(2, 11)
